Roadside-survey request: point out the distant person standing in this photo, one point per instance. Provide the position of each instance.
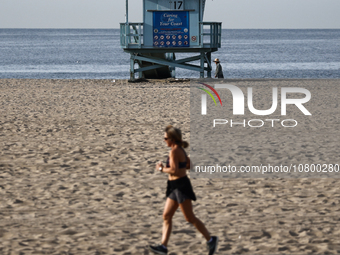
(218, 72)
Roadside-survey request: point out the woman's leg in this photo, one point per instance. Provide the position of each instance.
(189, 215)
(169, 211)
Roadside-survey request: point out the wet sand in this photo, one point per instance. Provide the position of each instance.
(77, 177)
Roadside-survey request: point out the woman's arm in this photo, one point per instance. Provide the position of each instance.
(173, 161)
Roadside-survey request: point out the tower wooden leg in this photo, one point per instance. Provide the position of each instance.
(132, 67)
(209, 64)
(202, 65)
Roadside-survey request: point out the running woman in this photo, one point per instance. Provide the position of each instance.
(179, 191)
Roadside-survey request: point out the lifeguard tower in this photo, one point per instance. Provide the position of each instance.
(170, 27)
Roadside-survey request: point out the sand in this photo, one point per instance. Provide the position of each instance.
(77, 177)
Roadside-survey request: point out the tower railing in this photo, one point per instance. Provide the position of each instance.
(210, 34)
(131, 35)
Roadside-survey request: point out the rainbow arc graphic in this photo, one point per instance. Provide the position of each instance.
(204, 97)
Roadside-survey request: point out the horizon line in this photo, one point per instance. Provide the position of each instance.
(222, 28)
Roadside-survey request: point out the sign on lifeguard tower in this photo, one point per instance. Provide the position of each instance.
(171, 29)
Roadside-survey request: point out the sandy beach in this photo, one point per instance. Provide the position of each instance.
(77, 176)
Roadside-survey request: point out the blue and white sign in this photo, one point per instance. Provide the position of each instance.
(171, 29)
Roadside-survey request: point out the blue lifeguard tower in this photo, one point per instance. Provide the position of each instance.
(170, 27)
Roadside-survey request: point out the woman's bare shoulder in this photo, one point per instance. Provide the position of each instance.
(175, 151)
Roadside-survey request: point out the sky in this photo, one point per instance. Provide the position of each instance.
(234, 14)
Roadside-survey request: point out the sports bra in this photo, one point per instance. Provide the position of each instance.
(180, 164)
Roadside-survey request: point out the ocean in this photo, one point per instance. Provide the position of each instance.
(96, 54)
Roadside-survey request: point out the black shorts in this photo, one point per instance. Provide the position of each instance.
(180, 189)
(178, 196)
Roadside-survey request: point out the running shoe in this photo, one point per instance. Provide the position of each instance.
(159, 249)
(212, 246)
